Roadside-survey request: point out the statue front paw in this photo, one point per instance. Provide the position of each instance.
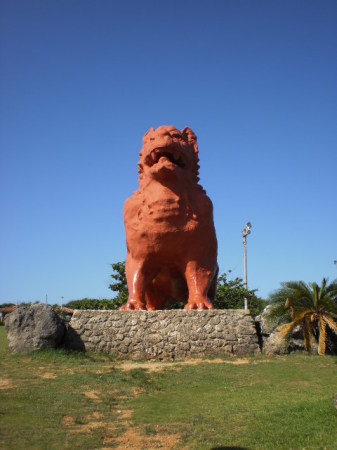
(199, 304)
(133, 305)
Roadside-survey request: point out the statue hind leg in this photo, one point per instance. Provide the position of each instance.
(137, 279)
(199, 281)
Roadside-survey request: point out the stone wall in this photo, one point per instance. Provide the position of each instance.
(164, 335)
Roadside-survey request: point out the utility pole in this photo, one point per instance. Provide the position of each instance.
(245, 232)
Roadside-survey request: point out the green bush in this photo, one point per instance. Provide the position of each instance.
(230, 294)
(90, 303)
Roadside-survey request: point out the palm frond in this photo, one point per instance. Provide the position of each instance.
(330, 322)
(326, 303)
(322, 289)
(331, 290)
(292, 313)
(315, 290)
(280, 306)
(300, 294)
(299, 315)
(277, 313)
(285, 329)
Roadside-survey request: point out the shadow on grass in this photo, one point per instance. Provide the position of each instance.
(73, 341)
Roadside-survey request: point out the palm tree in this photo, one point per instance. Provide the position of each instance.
(312, 307)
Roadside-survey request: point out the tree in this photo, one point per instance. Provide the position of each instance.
(119, 284)
(230, 294)
(91, 303)
(6, 305)
(310, 306)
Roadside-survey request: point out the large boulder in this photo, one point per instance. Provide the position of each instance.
(267, 326)
(33, 328)
(272, 342)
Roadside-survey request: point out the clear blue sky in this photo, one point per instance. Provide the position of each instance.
(82, 81)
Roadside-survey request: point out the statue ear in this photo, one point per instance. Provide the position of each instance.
(147, 136)
(150, 130)
(191, 138)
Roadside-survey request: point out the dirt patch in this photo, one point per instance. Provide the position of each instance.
(136, 392)
(262, 361)
(93, 395)
(234, 362)
(93, 424)
(152, 366)
(88, 427)
(132, 439)
(125, 414)
(26, 359)
(68, 421)
(105, 369)
(238, 362)
(5, 383)
(94, 415)
(48, 376)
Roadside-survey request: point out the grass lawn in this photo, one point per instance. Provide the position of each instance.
(55, 400)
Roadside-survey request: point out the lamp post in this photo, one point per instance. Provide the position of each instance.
(245, 232)
(62, 302)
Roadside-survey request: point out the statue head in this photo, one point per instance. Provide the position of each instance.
(168, 154)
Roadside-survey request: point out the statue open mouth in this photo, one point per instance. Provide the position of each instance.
(164, 155)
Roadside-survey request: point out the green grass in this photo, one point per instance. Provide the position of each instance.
(53, 400)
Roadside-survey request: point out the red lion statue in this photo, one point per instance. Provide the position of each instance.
(170, 235)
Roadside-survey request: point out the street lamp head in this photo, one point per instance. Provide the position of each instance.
(246, 229)
(245, 232)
